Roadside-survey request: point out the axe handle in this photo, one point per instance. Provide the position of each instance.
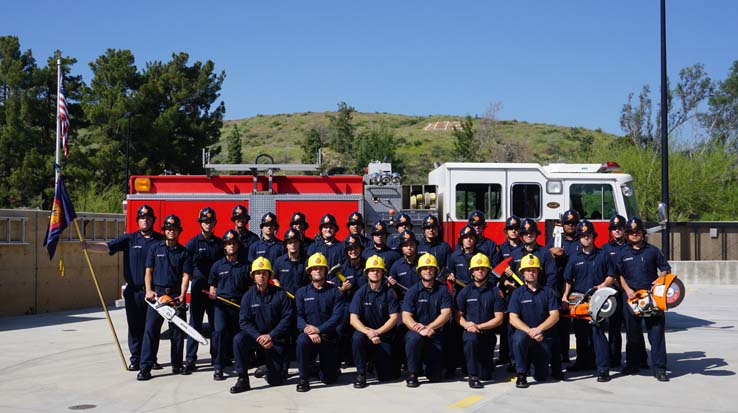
(222, 299)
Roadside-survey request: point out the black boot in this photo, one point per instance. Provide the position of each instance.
(303, 385)
(521, 382)
(218, 375)
(474, 382)
(143, 375)
(603, 377)
(242, 385)
(412, 380)
(260, 372)
(360, 382)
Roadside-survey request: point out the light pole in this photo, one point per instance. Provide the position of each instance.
(664, 136)
(128, 116)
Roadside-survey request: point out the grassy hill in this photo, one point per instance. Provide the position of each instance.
(280, 136)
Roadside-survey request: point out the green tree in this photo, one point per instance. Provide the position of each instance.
(310, 146)
(377, 144)
(235, 155)
(721, 121)
(636, 120)
(342, 130)
(464, 140)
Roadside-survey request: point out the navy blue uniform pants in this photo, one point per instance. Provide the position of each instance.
(152, 334)
(635, 345)
(424, 351)
(226, 327)
(614, 336)
(594, 348)
(136, 309)
(328, 351)
(527, 350)
(363, 348)
(243, 349)
(199, 305)
(479, 350)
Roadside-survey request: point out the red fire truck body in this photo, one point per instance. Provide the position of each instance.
(453, 191)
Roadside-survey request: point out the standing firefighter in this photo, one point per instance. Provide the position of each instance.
(639, 264)
(374, 315)
(240, 218)
(480, 310)
(265, 320)
(228, 281)
(135, 247)
(168, 269)
(319, 311)
(205, 248)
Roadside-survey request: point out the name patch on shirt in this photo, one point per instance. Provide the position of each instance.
(526, 301)
(579, 263)
(628, 259)
(471, 300)
(422, 300)
(309, 299)
(255, 305)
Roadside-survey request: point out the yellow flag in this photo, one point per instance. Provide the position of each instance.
(61, 267)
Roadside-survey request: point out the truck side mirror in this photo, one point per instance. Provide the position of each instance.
(663, 217)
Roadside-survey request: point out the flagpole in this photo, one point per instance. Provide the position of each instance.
(57, 162)
(99, 294)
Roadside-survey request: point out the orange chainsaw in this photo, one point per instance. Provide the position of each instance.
(596, 305)
(667, 292)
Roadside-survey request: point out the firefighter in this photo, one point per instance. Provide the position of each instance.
(458, 262)
(569, 246)
(479, 311)
(353, 263)
(135, 247)
(379, 245)
(402, 273)
(506, 285)
(265, 319)
(168, 270)
(534, 311)
(404, 223)
(327, 243)
(355, 226)
(374, 314)
(432, 242)
(616, 227)
(547, 276)
(229, 279)
(638, 264)
(269, 246)
(289, 268)
(587, 268)
(205, 248)
(240, 218)
(426, 309)
(299, 223)
(484, 244)
(319, 311)
(347, 283)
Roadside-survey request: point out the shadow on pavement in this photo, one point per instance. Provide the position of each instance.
(697, 362)
(50, 319)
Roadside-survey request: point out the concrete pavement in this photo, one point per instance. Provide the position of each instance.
(67, 361)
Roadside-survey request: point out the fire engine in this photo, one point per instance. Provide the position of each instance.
(452, 192)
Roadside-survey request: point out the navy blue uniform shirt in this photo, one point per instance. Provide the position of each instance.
(204, 253)
(404, 272)
(322, 308)
(611, 249)
(291, 274)
(169, 264)
(489, 248)
(437, 248)
(333, 252)
(270, 250)
(268, 313)
(458, 264)
(533, 307)
(480, 303)
(548, 276)
(231, 279)
(587, 270)
(640, 267)
(426, 304)
(135, 248)
(374, 307)
(247, 238)
(506, 249)
(355, 274)
(388, 255)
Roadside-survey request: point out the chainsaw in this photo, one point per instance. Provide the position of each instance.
(667, 292)
(167, 307)
(596, 305)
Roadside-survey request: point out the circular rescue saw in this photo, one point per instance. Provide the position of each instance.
(667, 292)
(596, 305)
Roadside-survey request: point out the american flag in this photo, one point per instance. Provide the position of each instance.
(64, 118)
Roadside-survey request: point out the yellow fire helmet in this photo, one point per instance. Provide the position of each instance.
(375, 262)
(427, 260)
(260, 264)
(479, 260)
(317, 260)
(530, 261)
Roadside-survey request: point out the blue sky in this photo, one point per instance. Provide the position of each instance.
(563, 62)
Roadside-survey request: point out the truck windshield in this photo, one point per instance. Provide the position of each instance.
(631, 204)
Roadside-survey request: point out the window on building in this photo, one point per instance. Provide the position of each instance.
(484, 197)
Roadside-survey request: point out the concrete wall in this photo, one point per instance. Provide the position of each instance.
(706, 272)
(30, 283)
